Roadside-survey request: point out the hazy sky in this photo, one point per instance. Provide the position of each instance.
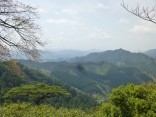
(93, 24)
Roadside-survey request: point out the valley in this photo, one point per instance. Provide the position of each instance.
(98, 73)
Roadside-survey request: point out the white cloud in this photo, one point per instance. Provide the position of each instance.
(102, 6)
(57, 13)
(98, 34)
(140, 29)
(95, 8)
(42, 10)
(66, 21)
(62, 33)
(145, 28)
(70, 11)
(58, 21)
(123, 20)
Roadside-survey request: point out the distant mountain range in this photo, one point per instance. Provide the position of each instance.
(121, 58)
(151, 53)
(54, 55)
(99, 72)
(112, 56)
(59, 55)
(92, 78)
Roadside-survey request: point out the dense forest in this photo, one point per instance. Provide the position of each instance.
(27, 91)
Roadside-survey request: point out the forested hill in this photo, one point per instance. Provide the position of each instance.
(151, 53)
(93, 78)
(12, 75)
(89, 84)
(98, 73)
(121, 58)
(113, 56)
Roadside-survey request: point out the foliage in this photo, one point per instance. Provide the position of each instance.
(93, 78)
(131, 101)
(10, 76)
(79, 99)
(125, 101)
(14, 75)
(28, 110)
(36, 92)
(108, 110)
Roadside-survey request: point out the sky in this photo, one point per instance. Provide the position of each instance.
(93, 25)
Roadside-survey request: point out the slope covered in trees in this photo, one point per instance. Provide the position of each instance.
(93, 78)
(10, 78)
(131, 100)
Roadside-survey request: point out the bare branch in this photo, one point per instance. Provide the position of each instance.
(144, 13)
(18, 28)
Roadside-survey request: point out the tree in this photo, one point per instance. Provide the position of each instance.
(36, 92)
(145, 13)
(108, 110)
(131, 101)
(4, 53)
(18, 29)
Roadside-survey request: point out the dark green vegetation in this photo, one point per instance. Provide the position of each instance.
(12, 76)
(121, 58)
(80, 89)
(36, 92)
(112, 56)
(92, 75)
(125, 101)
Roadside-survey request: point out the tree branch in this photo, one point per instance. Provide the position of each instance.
(145, 13)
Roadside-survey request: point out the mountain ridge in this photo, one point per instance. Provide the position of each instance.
(151, 53)
(111, 55)
(92, 77)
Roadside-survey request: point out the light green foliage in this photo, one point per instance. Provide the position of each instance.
(28, 110)
(131, 101)
(108, 110)
(125, 101)
(36, 92)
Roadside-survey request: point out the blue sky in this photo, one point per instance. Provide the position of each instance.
(93, 24)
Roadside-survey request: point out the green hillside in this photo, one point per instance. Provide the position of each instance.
(12, 76)
(92, 78)
(121, 58)
(112, 56)
(89, 84)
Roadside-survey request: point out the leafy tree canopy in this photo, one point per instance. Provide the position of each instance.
(36, 92)
(131, 101)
